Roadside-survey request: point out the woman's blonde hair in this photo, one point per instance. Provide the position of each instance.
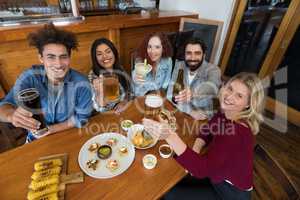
(253, 113)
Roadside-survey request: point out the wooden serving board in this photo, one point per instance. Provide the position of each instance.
(64, 177)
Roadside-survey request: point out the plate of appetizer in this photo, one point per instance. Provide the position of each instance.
(140, 138)
(106, 155)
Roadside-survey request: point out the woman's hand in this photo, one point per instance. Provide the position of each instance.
(184, 96)
(199, 143)
(158, 129)
(120, 107)
(98, 86)
(198, 115)
(164, 131)
(138, 78)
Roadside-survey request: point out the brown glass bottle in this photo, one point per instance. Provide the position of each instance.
(178, 85)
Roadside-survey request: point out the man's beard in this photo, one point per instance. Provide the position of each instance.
(193, 67)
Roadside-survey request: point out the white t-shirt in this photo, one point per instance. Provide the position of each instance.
(191, 76)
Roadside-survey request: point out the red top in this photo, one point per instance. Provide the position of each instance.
(229, 156)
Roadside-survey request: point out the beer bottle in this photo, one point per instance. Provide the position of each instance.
(178, 85)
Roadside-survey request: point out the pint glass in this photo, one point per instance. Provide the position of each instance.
(111, 88)
(29, 99)
(153, 105)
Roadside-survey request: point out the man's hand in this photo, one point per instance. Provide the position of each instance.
(184, 96)
(23, 119)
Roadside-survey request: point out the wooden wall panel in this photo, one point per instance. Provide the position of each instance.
(15, 60)
(81, 59)
(2, 93)
(13, 63)
(126, 31)
(130, 38)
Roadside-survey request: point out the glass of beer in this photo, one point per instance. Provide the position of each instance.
(111, 88)
(29, 99)
(153, 105)
(142, 69)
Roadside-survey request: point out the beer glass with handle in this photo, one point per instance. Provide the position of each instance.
(111, 87)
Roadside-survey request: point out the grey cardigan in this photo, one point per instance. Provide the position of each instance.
(204, 87)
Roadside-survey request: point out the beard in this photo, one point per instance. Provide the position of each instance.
(195, 66)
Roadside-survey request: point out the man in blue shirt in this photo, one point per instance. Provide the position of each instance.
(65, 94)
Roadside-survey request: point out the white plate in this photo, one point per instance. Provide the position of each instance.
(139, 127)
(102, 172)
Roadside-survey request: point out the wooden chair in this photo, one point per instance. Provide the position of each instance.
(270, 179)
(11, 137)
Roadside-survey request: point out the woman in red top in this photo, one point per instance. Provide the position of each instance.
(229, 136)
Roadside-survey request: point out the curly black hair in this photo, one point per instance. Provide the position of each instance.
(49, 34)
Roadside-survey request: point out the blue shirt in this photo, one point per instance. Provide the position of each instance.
(71, 100)
(157, 82)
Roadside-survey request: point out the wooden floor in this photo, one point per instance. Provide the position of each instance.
(284, 148)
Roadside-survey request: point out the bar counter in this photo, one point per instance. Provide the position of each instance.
(126, 31)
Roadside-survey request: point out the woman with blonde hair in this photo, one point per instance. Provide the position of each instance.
(229, 137)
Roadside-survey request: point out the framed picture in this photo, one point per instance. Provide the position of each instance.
(207, 30)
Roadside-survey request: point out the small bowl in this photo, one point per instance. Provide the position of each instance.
(149, 161)
(132, 133)
(104, 151)
(165, 151)
(126, 124)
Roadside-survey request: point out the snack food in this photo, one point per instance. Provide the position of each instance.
(52, 196)
(142, 139)
(149, 161)
(166, 117)
(47, 164)
(126, 124)
(104, 151)
(45, 179)
(93, 164)
(165, 151)
(112, 165)
(46, 173)
(112, 141)
(34, 194)
(36, 184)
(123, 151)
(93, 147)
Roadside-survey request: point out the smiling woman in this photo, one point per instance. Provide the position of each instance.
(228, 162)
(105, 59)
(157, 51)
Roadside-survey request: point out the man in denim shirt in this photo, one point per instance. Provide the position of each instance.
(65, 94)
(201, 81)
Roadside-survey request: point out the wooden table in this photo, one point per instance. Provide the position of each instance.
(16, 166)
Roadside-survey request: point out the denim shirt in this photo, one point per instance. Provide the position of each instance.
(204, 87)
(71, 101)
(161, 79)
